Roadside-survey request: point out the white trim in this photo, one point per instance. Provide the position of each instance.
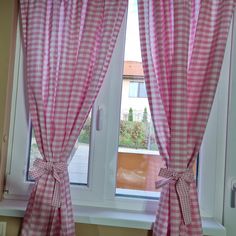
(110, 217)
(213, 148)
(138, 151)
(137, 193)
(15, 179)
(230, 173)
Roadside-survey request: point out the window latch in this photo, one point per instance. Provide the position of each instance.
(99, 119)
(233, 194)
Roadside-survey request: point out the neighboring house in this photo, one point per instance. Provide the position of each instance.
(133, 91)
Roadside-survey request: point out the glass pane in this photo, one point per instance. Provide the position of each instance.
(133, 89)
(138, 161)
(78, 166)
(142, 90)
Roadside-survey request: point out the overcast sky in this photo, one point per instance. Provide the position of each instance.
(132, 45)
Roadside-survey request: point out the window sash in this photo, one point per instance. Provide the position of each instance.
(142, 93)
(133, 89)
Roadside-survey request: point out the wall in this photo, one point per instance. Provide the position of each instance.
(14, 224)
(8, 19)
(137, 104)
(96, 230)
(5, 27)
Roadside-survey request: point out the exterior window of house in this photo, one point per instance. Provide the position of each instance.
(133, 89)
(78, 166)
(142, 90)
(137, 89)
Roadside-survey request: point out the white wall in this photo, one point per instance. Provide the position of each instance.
(137, 104)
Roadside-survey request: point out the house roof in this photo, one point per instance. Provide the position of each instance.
(133, 68)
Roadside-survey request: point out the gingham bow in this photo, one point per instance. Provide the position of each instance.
(183, 181)
(42, 167)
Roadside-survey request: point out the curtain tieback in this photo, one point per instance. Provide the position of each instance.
(183, 181)
(42, 167)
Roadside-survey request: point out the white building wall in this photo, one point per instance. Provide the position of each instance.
(137, 104)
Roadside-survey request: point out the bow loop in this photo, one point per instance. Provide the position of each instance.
(183, 181)
(55, 169)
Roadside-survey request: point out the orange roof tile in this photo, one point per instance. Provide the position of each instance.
(133, 68)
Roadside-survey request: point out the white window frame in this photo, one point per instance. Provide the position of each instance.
(213, 149)
(101, 188)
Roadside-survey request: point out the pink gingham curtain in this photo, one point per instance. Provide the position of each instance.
(67, 47)
(182, 44)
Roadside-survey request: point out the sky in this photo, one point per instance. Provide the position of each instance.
(132, 45)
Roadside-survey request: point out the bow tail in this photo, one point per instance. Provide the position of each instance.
(182, 189)
(162, 182)
(56, 199)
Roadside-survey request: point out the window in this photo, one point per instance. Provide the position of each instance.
(120, 157)
(142, 90)
(137, 89)
(138, 159)
(78, 166)
(133, 89)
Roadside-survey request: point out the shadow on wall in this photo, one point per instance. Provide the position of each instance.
(100, 230)
(14, 225)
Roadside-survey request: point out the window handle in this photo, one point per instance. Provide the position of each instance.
(99, 119)
(233, 195)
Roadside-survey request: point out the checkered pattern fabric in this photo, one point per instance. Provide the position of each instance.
(67, 49)
(182, 182)
(182, 44)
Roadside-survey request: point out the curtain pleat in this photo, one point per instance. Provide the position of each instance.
(67, 50)
(182, 44)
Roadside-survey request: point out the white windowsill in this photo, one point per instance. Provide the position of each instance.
(138, 151)
(110, 217)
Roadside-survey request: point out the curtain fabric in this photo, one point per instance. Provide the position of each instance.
(67, 49)
(182, 44)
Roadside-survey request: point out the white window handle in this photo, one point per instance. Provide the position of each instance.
(99, 119)
(233, 194)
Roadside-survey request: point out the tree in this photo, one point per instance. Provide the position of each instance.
(130, 116)
(145, 115)
(132, 134)
(138, 135)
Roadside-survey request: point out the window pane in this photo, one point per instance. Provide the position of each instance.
(138, 161)
(133, 89)
(138, 158)
(78, 166)
(142, 90)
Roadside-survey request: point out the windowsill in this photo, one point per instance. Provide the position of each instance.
(137, 193)
(109, 217)
(138, 151)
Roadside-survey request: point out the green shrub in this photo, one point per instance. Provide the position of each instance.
(145, 116)
(133, 134)
(130, 115)
(85, 132)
